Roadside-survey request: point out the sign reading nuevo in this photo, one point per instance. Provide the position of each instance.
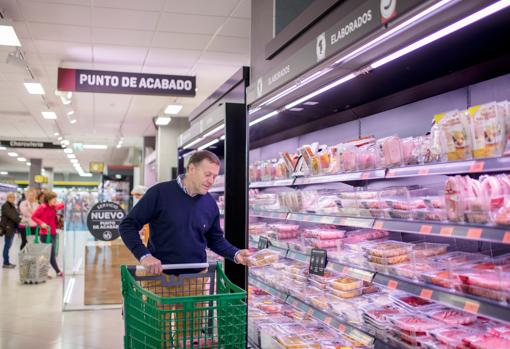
(103, 220)
(82, 80)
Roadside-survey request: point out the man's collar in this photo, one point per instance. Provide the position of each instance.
(180, 181)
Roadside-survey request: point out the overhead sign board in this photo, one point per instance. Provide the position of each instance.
(29, 144)
(96, 167)
(40, 179)
(365, 19)
(103, 220)
(99, 81)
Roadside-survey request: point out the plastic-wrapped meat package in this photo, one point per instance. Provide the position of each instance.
(457, 129)
(324, 234)
(414, 270)
(325, 205)
(308, 198)
(257, 228)
(496, 188)
(443, 278)
(434, 146)
(324, 160)
(488, 130)
(456, 259)
(452, 336)
(452, 316)
(476, 204)
(455, 187)
(360, 235)
(367, 158)
(428, 249)
(284, 231)
(414, 324)
(411, 150)
(389, 249)
(502, 217)
(348, 156)
(486, 341)
(311, 161)
(492, 284)
(263, 257)
(390, 151)
(290, 161)
(334, 160)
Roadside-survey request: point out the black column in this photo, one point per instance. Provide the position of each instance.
(236, 191)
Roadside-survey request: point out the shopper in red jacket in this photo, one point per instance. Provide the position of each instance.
(46, 216)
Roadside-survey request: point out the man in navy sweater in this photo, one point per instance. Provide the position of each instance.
(183, 219)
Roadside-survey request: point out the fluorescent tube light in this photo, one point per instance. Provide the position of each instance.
(29, 164)
(95, 146)
(4, 173)
(34, 88)
(70, 112)
(189, 145)
(321, 90)
(163, 120)
(3, 148)
(71, 156)
(12, 154)
(49, 115)
(8, 36)
(85, 174)
(74, 161)
(207, 145)
(173, 109)
(487, 11)
(68, 151)
(20, 159)
(265, 117)
(214, 130)
(73, 121)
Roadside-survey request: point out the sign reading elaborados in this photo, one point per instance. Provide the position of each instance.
(81, 80)
(103, 220)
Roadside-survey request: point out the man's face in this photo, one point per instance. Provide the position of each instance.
(202, 176)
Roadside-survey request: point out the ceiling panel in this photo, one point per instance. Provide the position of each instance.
(125, 19)
(180, 59)
(211, 8)
(123, 37)
(243, 9)
(223, 58)
(178, 23)
(59, 32)
(119, 54)
(145, 5)
(238, 27)
(54, 13)
(230, 44)
(180, 40)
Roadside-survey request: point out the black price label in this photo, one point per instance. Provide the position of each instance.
(263, 243)
(103, 220)
(318, 261)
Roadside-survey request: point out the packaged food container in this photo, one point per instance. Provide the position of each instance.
(488, 130)
(451, 336)
(322, 301)
(269, 307)
(388, 260)
(411, 150)
(451, 316)
(348, 155)
(346, 283)
(400, 214)
(263, 257)
(351, 308)
(257, 228)
(457, 132)
(390, 151)
(413, 270)
(476, 202)
(429, 214)
(443, 278)
(306, 292)
(414, 324)
(346, 294)
(324, 234)
(491, 284)
(413, 303)
(367, 158)
(389, 249)
(457, 258)
(325, 244)
(396, 198)
(428, 249)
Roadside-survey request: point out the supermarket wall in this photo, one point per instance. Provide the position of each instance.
(409, 120)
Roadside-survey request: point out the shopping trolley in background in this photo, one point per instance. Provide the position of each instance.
(204, 310)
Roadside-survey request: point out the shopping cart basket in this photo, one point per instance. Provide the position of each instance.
(34, 259)
(204, 310)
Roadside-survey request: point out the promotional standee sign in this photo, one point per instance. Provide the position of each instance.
(103, 220)
(99, 81)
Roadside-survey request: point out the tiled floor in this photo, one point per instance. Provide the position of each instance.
(31, 317)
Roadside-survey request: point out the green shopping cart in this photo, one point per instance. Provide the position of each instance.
(195, 310)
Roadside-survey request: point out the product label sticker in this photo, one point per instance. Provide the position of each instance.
(472, 307)
(423, 171)
(318, 261)
(446, 231)
(506, 237)
(392, 284)
(379, 225)
(425, 229)
(476, 166)
(474, 233)
(426, 293)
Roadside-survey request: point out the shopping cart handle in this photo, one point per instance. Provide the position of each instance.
(179, 266)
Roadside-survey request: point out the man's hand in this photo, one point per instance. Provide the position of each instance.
(242, 257)
(152, 265)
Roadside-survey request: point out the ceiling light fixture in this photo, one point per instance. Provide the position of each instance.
(74, 161)
(4, 173)
(475, 17)
(68, 151)
(30, 164)
(71, 156)
(3, 148)
(95, 146)
(56, 134)
(20, 159)
(163, 120)
(265, 117)
(60, 138)
(8, 35)
(71, 112)
(73, 121)
(207, 145)
(49, 115)
(12, 154)
(189, 145)
(64, 142)
(34, 88)
(214, 130)
(86, 174)
(173, 109)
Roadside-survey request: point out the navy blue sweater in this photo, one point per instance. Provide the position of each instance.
(181, 226)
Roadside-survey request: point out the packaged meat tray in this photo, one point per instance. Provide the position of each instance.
(428, 249)
(351, 309)
(414, 324)
(257, 228)
(346, 294)
(360, 235)
(380, 314)
(388, 260)
(270, 307)
(451, 336)
(400, 214)
(321, 282)
(324, 234)
(412, 303)
(305, 293)
(285, 231)
(323, 301)
(414, 270)
(346, 283)
(262, 258)
(491, 279)
(486, 341)
(458, 258)
(325, 244)
(452, 316)
(389, 249)
(430, 214)
(294, 342)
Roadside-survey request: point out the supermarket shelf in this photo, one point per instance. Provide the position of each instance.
(275, 183)
(449, 168)
(467, 303)
(7, 187)
(341, 177)
(268, 214)
(341, 326)
(463, 231)
(336, 220)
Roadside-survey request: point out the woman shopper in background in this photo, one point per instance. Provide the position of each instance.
(9, 223)
(26, 209)
(46, 216)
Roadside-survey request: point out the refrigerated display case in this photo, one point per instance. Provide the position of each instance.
(389, 153)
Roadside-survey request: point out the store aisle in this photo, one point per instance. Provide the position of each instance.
(31, 317)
